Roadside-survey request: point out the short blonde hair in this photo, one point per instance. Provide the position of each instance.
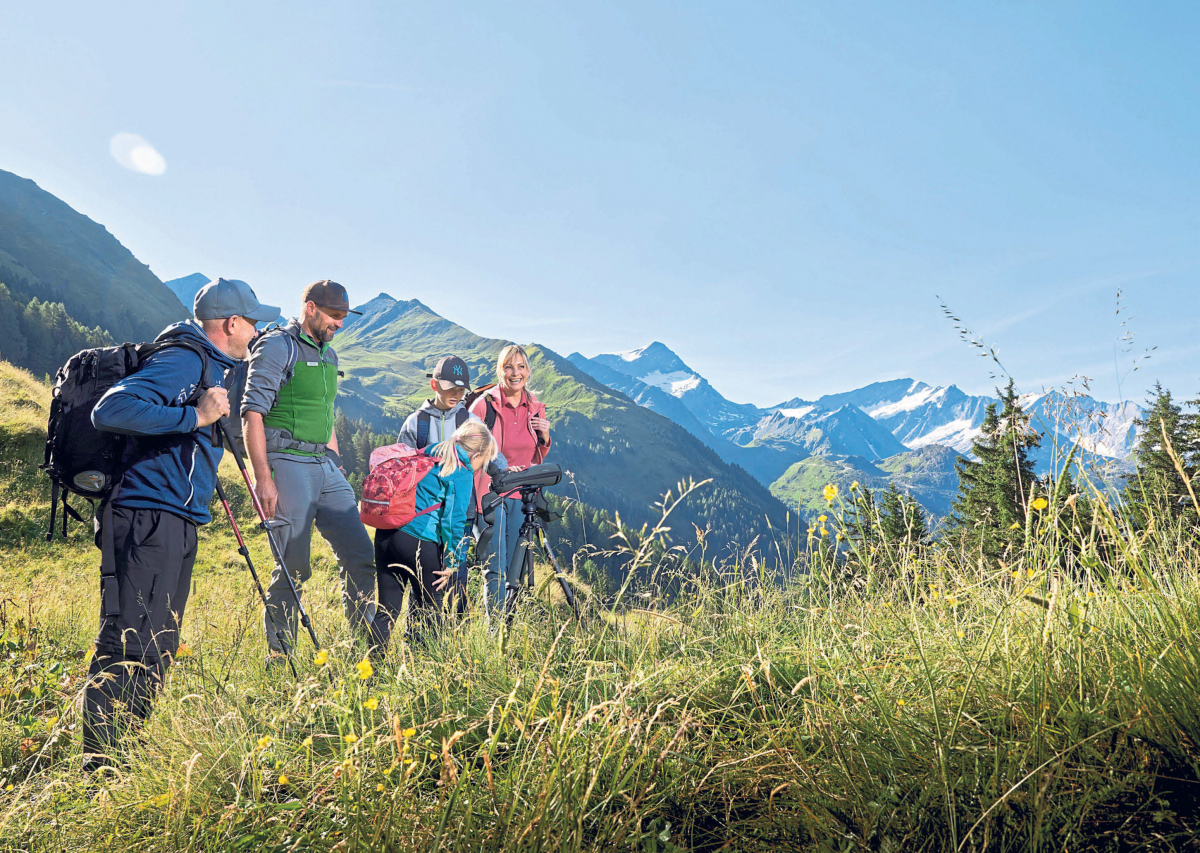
(473, 437)
(506, 355)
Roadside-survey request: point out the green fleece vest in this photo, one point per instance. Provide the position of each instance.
(304, 406)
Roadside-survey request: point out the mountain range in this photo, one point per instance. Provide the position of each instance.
(629, 426)
(870, 435)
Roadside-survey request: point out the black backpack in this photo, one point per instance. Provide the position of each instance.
(489, 416)
(81, 459)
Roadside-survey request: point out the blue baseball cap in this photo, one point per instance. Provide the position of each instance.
(228, 297)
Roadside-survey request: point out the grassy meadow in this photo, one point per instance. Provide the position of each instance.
(903, 700)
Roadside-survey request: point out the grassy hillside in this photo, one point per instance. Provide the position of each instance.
(53, 253)
(926, 473)
(915, 701)
(622, 457)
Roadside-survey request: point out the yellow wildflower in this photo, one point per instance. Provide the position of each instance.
(824, 532)
(1032, 571)
(1040, 504)
(283, 779)
(184, 651)
(822, 518)
(840, 537)
(951, 600)
(264, 741)
(351, 738)
(830, 492)
(1016, 525)
(854, 486)
(365, 670)
(321, 658)
(307, 741)
(371, 704)
(900, 702)
(408, 733)
(379, 787)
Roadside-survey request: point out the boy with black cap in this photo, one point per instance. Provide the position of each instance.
(147, 528)
(436, 421)
(440, 416)
(287, 422)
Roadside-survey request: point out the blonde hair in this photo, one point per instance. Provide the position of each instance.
(506, 355)
(473, 437)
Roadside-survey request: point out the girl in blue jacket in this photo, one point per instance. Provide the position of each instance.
(425, 553)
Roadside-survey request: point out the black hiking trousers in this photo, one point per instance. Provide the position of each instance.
(153, 552)
(402, 560)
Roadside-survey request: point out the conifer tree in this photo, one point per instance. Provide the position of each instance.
(996, 486)
(902, 518)
(1157, 487)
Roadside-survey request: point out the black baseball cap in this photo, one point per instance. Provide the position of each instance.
(329, 294)
(452, 372)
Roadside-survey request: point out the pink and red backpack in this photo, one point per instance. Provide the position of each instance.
(389, 494)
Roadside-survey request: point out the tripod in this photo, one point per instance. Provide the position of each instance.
(520, 569)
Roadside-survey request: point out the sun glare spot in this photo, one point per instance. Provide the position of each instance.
(136, 154)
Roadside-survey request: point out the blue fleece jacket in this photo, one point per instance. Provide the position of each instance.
(446, 525)
(171, 466)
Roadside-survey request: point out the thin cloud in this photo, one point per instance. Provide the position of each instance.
(136, 154)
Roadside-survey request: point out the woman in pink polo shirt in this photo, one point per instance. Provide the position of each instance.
(519, 425)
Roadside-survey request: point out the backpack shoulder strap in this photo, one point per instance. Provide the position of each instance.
(489, 417)
(461, 417)
(293, 349)
(147, 350)
(423, 419)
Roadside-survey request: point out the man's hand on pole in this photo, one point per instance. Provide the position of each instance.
(213, 405)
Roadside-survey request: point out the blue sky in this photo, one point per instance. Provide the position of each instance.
(781, 193)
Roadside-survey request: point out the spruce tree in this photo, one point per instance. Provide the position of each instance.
(902, 518)
(1157, 487)
(995, 487)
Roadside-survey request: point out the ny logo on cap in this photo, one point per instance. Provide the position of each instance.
(458, 370)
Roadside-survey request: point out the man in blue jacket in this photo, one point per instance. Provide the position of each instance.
(164, 494)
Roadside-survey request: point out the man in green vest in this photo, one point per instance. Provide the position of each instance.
(287, 421)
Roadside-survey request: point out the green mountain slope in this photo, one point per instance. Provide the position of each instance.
(926, 473)
(387, 352)
(53, 253)
(621, 456)
(41, 336)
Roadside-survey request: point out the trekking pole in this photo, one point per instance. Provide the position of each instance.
(245, 552)
(276, 551)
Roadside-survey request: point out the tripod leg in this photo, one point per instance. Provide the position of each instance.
(568, 593)
(516, 574)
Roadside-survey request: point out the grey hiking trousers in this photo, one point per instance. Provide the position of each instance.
(312, 489)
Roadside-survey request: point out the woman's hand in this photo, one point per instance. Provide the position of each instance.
(541, 426)
(443, 575)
